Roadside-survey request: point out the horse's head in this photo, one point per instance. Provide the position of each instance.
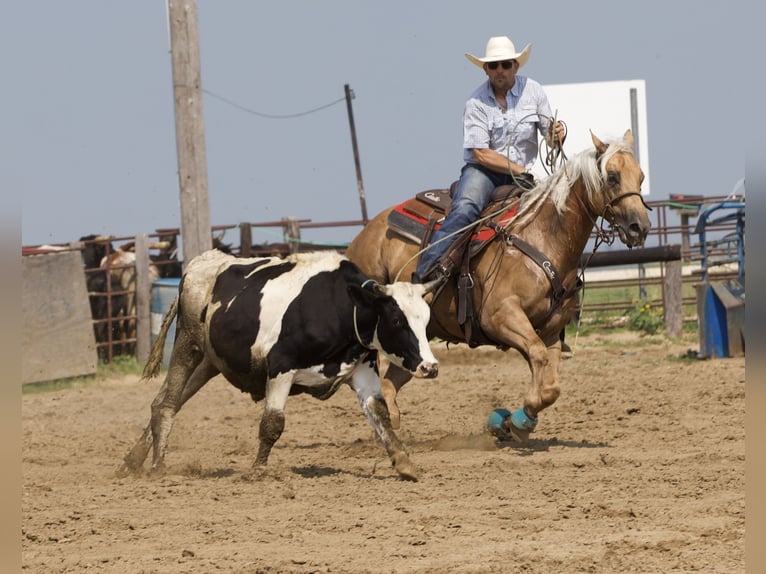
(624, 207)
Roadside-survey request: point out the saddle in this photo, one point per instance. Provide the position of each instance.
(417, 218)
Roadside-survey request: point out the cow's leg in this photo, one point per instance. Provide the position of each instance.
(188, 367)
(388, 389)
(367, 386)
(137, 455)
(273, 419)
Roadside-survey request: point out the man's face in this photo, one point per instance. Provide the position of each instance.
(501, 74)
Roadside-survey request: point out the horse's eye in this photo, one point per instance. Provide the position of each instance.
(613, 179)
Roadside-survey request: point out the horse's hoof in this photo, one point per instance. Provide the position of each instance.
(516, 434)
(495, 423)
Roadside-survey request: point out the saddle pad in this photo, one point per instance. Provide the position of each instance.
(410, 220)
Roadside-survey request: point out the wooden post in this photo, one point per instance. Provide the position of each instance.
(359, 184)
(143, 298)
(672, 298)
(245, 239)
(190, 131)
(292, 233)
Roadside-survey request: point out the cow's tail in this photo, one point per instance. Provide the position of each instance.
(152, 367)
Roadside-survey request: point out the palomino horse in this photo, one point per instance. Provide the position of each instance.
(521, 303)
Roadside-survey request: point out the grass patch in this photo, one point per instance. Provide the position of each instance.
(119, 367)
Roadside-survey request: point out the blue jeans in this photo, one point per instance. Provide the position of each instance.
(473, 192)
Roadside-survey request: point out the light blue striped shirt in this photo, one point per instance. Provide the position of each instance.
(512, 133)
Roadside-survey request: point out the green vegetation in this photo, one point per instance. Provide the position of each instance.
(608, 307)
(644, 317)
(119, 367)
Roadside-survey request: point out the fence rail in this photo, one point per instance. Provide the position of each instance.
(663, 273)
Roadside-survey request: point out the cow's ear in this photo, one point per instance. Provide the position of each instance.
(360, 296)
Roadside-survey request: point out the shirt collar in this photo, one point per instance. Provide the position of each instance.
(515, 90)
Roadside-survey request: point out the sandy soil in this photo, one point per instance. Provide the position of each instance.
(639, 467)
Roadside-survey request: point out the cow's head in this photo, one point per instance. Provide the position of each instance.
(402, 317)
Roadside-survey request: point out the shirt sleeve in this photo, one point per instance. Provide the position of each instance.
(475, 126)
(543, 111)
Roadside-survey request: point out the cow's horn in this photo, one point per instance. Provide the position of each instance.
(432, 285)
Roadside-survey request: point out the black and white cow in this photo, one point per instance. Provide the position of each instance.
(273, 327)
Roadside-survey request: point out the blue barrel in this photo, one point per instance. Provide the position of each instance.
(163, 293)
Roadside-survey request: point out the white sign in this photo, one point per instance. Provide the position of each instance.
(605, 108)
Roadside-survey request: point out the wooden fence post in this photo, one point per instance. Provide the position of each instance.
(245, 239)
(292, 233)
(672, 298)
(143, 298)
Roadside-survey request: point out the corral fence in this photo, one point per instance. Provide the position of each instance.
(664, 274)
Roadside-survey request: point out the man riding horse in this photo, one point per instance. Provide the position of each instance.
(501, 120)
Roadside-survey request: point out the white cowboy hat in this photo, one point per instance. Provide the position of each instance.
(499, 49)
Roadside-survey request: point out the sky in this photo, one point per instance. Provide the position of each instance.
(88, 129)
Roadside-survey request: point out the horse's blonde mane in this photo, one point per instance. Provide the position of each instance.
(557, 185)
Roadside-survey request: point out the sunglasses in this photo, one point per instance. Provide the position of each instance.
(507, 65)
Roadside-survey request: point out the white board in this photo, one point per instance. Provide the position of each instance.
(604, 108)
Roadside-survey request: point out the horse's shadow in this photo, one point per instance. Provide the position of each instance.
(533, 445)
(317, 471)
(487, 442)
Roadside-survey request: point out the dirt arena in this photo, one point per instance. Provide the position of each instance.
(639, 467)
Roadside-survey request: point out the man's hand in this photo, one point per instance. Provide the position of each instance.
(556, 134)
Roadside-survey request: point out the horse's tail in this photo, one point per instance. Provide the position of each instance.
(152, 367)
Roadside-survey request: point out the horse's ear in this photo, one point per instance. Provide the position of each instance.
(600, 146)
(628, 137)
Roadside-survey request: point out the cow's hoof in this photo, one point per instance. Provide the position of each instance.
(404, 467)
(257, 473)
(157, 471)
(126, 469)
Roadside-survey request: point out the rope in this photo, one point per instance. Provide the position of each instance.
(356, 325)
(554, 156)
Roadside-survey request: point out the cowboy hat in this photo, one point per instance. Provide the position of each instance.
(499, 49)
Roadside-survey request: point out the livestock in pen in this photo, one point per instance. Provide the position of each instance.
(519, 288)
(110, 275)
(275, 327)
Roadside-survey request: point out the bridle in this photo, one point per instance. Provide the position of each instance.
(607, 235)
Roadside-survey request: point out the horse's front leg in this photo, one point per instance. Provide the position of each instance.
(513, 327)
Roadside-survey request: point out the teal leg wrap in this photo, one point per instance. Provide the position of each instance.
(522, 421)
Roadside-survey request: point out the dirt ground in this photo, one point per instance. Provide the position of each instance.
(639, 467)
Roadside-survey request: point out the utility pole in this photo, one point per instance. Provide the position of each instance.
(359, 184)
(190, 128)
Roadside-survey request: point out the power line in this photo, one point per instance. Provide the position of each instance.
(271, 116)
